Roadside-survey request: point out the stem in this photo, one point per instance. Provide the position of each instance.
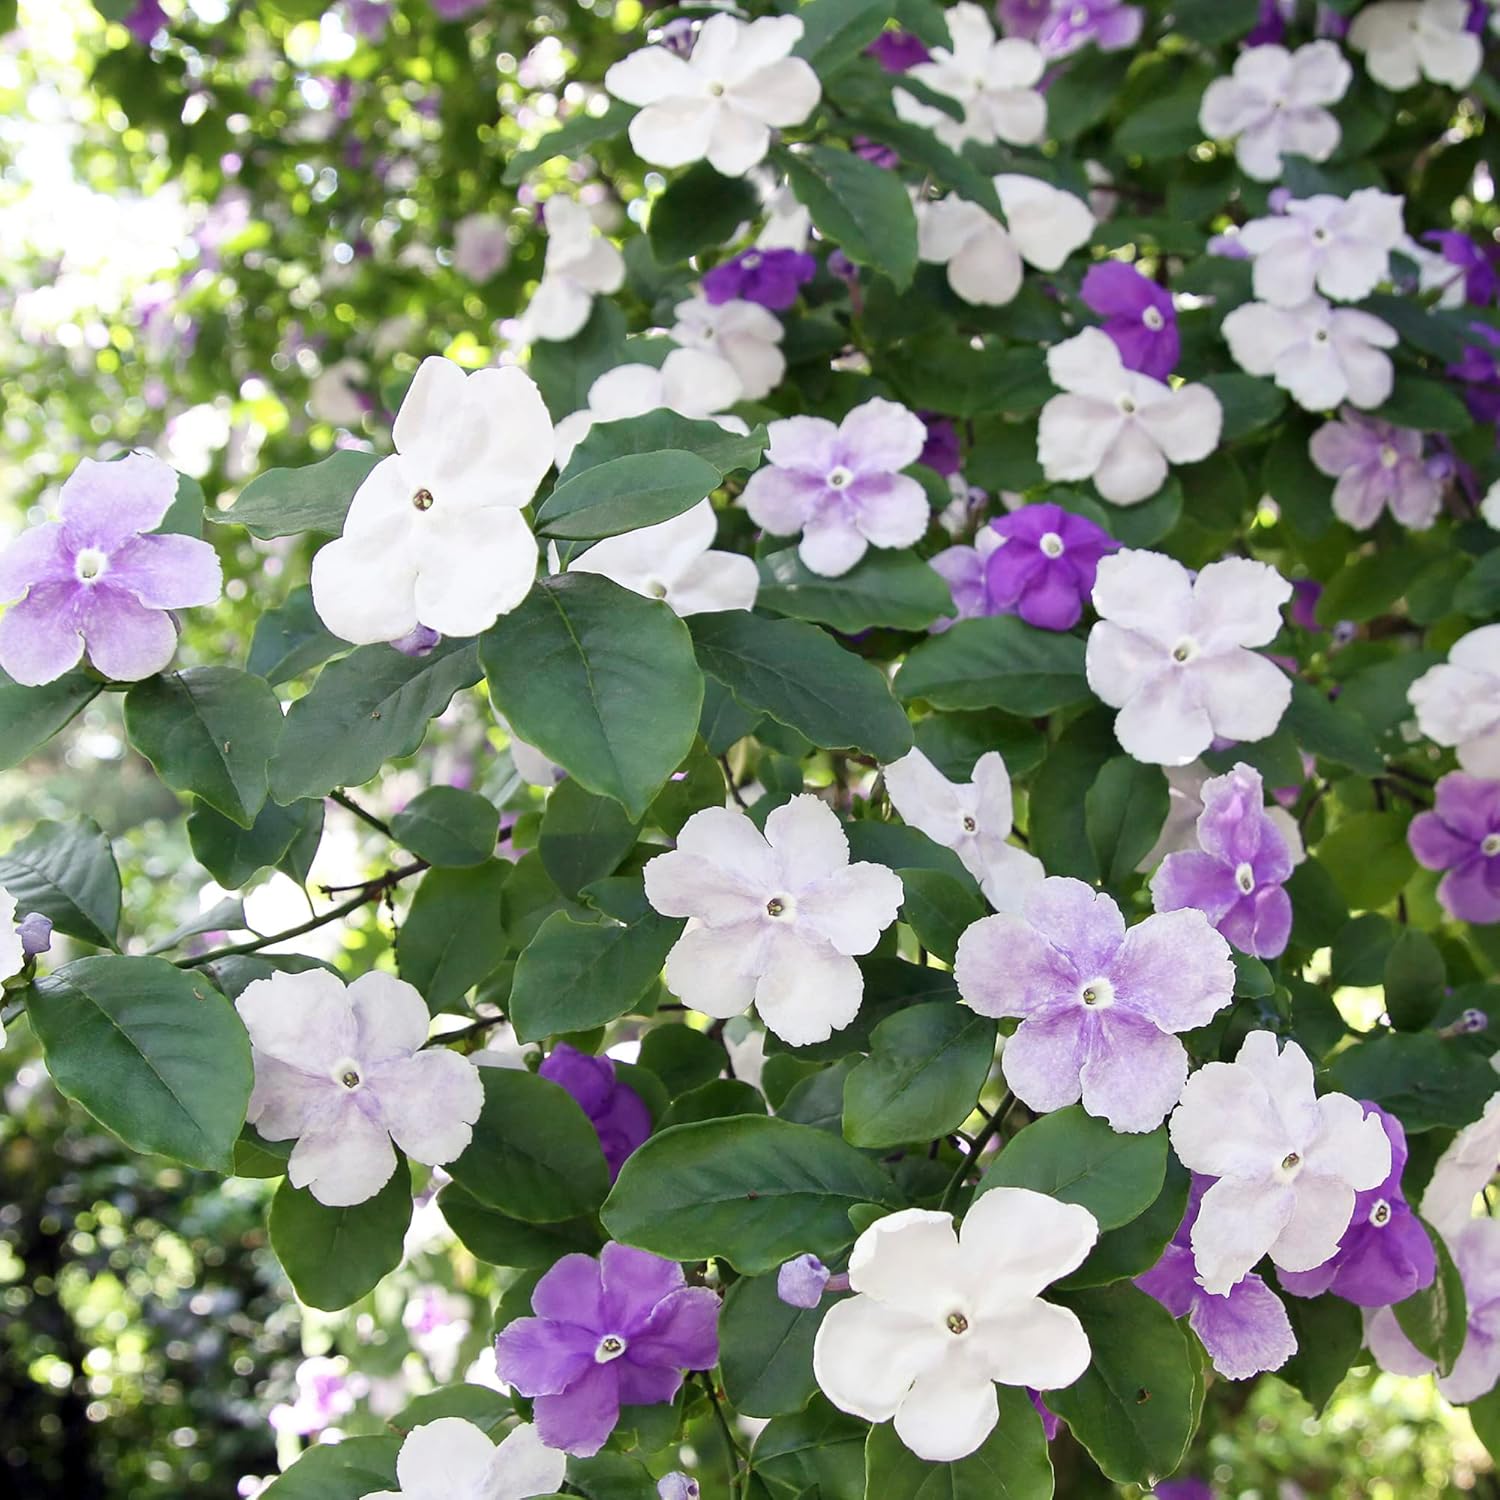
(732, 1453)
(734, 791)
(350, 805)
(986, 1134)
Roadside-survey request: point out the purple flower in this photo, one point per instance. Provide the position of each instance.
(456, 10)
(877, 153)
(95, 579)
(616, 1331)
(1051, 1422)
(677, 1486)
(615, 1111)
(1235, 875)
(367, 19)
(941, 453)
(1480, 263)
(1377, 466)
(1098, 1005)
(1479, 369)
(896, 51)
(144, 21)
(1024, 18)
(1385, 1254)
(1304, 611)
(1270, 24)
(769, 277)
(1461, 835)
(802, 1281)
(1138, 315)
(1046, 568)
(1245, 1330)
(1191, 1488)
(324, 1394)
(35, 932)
(420, 640)
(1109, 24)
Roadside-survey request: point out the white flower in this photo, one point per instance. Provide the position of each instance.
(1320, 355)
(1340, 247)
(335, 395)
(1405, 41)
(1274, 105)
(581, 264)
(689, 382)
(777, 917)
(994, 81)
(481, 246)
(1171, 653)
(1047, 223)
(1458, 702)
(745, 1045)
(973, 819)
(788, 224)
(744, 334)
(452, 1459)
(1463, 1171)
(1185, 807)
(12, 953)
(435, 535)
(1489, 507)
(1116, 426)
(343, 1072)
(673, 561)
(1288, 1162)
(941, 1317)
(721, 103)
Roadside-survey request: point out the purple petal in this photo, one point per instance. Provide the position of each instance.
(635, 1281)
(1246, 1331)
(1190, 878)
(682, 1331)
(800, 1282)
(572, 1292)
(1172, 1281)
(580, 1419)
(167, 572)
(125, 639)
(103, 505)
(541, 1357)
(39, 637)
(36, 556)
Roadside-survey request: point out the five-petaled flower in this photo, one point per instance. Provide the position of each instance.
(1377, 467)
(452, 1459)
(1460, 835)
(1458, 701)
(1338, 246)
(1138, 315)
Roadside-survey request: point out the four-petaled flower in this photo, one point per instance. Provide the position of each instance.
(1378, 467)
(1338, 246)
(581, 264)
(452, 1459)
(1138, 315)
(1319, 354)
(1458, 701)
(1461, 835)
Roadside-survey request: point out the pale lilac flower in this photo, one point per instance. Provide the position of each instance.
(1338, 246)
(1405, 41)
(1110, 25)
(1385, 1255)
(1185, 806)
(674, 561)
(1245, 1330)
(418, 642)
(743, 334)
(1099, 1006)
(983, 263)
(940, 1317)
(342, 1071)
(995, 82)
(841, 486)
(1138, 315)
(97, 578)
(1023, 18)
(481, 247)
(1319, 354)
(777, 917)
(1458, 702)
(617, 1113)
(1378, 467)
(581, 264)
(677, 1486)
(1172, 652)
(35, 932)
(1118, 427)
(1275, 104)
(802, 1281)
(1235, 876)
(452, 1459)
(619, 1330)
(972, 818)
(324, 1394)
(721, 103)
(1461, 835)
(771, 278)
(1288, 1162)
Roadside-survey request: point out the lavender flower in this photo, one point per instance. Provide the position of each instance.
(367, 19)
(144, 20)
(324, 1394)
(1378, 467)
(897, 50)
(1024, 18)
(677, 1486)
(768, 277)
(1479, 369)
(1138, 315)
(456, 10)
(801, 1282)
(35, 932)
(616, 1112)
(94, 579)
(616, 1331)
(1109, 24)
(1047, 567)
(1236, 874)
(1461, 835)
(1479, 265)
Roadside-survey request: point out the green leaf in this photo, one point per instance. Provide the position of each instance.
(348, 1470)
(714, 1101)
(657, 430)
(700, 210)
(1478, 595)
(893, 589)
(1123, 812)
(452, 936)
(624, 494)
(30, 716)
(796, 674)
(1215, 21)
(369, 707)
(950, 374)
(1428, 1082)
(682, 1058)
(503, 1241)
(1133, 1248)
(817, 1454)
(156, 1055)
(939, 907)
(922, 1078)
(753, 1189)
(290, 640)
(1249, 404)
(334, 1256)
(448, 826)
(1302, 491)
(1415, 980)
(953, 742)
(577, 134)
(232, 854)
(1011, 1464)
(700, 785)
(1368, 857)
(1166, 124)
(67, 872)
(1134, 1408)
(601, 681)
(862, 208)
(285, 502)
(1076, 1158)
(478, 1404)
(1370, 585)
(1330, 1333)
(534, 1155)
(1425, 405)
(1485, 1415)
(583, 837)
(1056, 818)
(1331, 732)
(999, 662)
(765, 1348)
(209, 731)
(837, 31)
(1436, 1319)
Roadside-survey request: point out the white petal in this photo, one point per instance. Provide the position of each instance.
(926, 799)
(948, 1413)
(524, 1466)
(1245, 695)
(852, 907)
(909, 1260)
(390, 1017)
(1017, 1242)
(443, 1459)
(429, 1103)
(344, 1160)
(1323, 1209)
(1133, 468)
(716, 581)
(1033, 1343)
(1147, 592)
(676, 131)
(365, 591)
(1165, 723)
(650, 75)
(808, 990)
(1047, 224)
(809, 840)
(1237, 602)
(739, 141)
(300, 1018)
(474, 568)
(1186, 425)
(1075, 435)
(1238, 1221)
(715, 969)
(866, 1356)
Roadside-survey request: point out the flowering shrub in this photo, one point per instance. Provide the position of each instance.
(969, 637)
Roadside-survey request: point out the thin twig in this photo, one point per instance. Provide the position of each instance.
(986, 1134)
(350, 805)
(734, 791)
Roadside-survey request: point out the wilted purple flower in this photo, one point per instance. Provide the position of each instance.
(94, 579)
(896, 51)
(1109, 24)
(1480, 264)
(1245, 1330)
(1461, 834)
(1236, 874)
(1385, 1254)
(616, 1331)
(144, 20)
(616, 1112)
(1377, 466)
(324, 1394)
(941, 453)
(1479, 369)
(1138, 315)
(35, 932)
(769, 277)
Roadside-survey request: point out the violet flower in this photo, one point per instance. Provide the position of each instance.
(1304, 611)
(615, 1331)
(1138, 315)
(144, 20)
(1024, 18)
(1480, 264)
(802, 1281)
(35, 932)
(1245, 1330)
(768, 277)
(941, 453)
(1236, 874)
(1479, 369)
(1461, 835)
(1378, 467)
(367, 19)
(1110, 25)
(616, 1112)
(896, 51)
(1385, 1255)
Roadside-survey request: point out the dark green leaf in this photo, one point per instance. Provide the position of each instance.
(1056, 817)
(448, 826)
(1426, 1081)
(1329, 1335)
(700, 210)
(1436, 1319)
(504, 1241)
(1425, 405)
(452, 937)
(1331, 732)
(837, 31)
(284, 502)
(817, 1454)
(232, 854)
(624, 494)
(862, 208)
(1249, 404)
(1000, 662)
(30, 716)
(939, 907)
(1123, 814)
(577, 134)
(662, 429)
(347, 1470)
(583, 837)
(290, 640)
(766, 1349)
(1415, 980)
(67, 872)
(891, 589)
(1368, 857)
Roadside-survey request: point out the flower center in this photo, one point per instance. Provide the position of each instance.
(839, 478)
(1185, 650)
(1290, 1163)
(716, 90)
(1079, 15)
(1153, 319)
(422, 500)
(1380, 1215)
(781, 906)
(957, 1323)
(1126, 405)
(90, 565)
(657, 589)
(751, 260)
(1051, 544)
(970, 826)
(611, 1346)
(1098, 994)
(1321, 336)
(346, 1072)
(1489, 845)
(1320, 236)
(1389, 458)
(1244, 877)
